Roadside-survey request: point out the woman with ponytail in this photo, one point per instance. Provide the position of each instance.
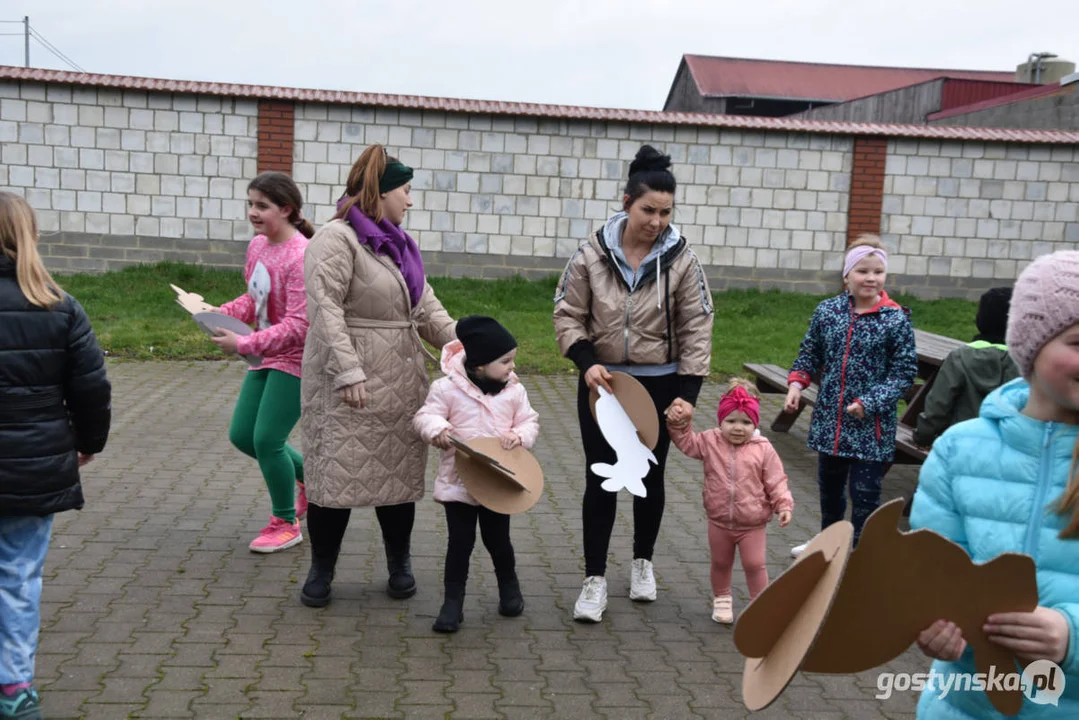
(364, 376)
(269, 403)
(634, 299)
(54, 417)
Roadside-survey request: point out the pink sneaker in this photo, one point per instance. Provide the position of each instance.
(278, 535)
(301, 501)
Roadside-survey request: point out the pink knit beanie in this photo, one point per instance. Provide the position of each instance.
(1045, 303)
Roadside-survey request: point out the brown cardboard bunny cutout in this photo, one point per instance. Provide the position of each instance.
(832, 614)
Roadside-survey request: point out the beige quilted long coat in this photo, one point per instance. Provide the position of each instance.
(363, 328)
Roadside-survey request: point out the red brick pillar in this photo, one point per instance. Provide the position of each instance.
(866, 186)
(276, 128)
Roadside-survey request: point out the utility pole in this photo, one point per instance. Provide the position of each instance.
(26, 36)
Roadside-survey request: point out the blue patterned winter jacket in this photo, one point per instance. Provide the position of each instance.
(989, 485)
(869, 357)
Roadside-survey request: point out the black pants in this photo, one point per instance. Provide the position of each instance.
(461, 520)
(600, 506)
(326, 526)
(833, 475)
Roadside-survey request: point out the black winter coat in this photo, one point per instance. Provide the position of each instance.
(55, 401)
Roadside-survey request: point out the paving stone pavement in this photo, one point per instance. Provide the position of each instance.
(154, 608)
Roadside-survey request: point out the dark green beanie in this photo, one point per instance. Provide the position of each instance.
(396, 175)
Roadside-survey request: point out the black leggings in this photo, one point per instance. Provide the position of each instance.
(494, 529)
(601, 506)
(326, 526)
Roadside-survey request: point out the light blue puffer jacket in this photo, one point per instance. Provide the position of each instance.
(987, 485)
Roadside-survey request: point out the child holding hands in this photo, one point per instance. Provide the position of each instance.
(744, 485)
(480, 396)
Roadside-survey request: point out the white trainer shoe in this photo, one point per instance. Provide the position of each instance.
(592, 601)
(642, 583)
(723, 609)
(799, 549)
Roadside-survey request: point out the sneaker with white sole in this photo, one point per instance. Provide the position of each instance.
(278, 535)
(799, 549)
(723, 609)
(592, 601)
(642, 582)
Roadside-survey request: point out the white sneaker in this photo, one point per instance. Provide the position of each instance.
(723, 609)
(592, 601)
(642, 583)
(799, 549)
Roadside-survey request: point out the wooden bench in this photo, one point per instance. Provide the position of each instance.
(773, 379)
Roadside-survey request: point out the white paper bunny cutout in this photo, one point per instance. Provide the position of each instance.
(259, 289)
(633, 456)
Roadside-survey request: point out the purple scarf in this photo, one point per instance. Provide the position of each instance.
(385, 238)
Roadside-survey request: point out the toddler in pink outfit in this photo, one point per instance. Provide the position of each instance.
(480, 396)
(744, 485)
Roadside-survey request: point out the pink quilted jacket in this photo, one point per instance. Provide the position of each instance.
(743, 484)
(454, 402)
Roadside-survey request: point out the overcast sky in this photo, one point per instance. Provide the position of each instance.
(606, 53)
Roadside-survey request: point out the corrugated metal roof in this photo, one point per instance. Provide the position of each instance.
(1021, 96)
(563, 112)
(745, 77)
(958, 92)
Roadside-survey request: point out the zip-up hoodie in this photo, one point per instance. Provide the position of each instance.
(964, 380)
(990, 485)
(455, 402)
(605, 313)
(871, 358)
(744, 485)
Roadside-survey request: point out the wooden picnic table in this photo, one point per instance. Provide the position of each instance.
(932, 349)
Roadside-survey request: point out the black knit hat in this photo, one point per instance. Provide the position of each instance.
(992, 318)
(485, 340)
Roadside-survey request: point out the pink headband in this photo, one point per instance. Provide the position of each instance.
(860, 253)
(739, 399)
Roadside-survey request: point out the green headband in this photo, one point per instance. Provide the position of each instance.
(396, 175)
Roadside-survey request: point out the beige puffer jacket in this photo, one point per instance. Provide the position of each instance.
(664, 320)
(364, 329)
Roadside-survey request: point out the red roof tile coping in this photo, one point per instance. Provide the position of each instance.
(554, 112)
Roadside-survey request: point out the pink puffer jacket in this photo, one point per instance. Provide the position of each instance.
(743, 484)
(455, 402)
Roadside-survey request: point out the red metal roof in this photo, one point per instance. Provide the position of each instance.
(743, 77)
(565, 112)
(1022, 95)
(958, 92)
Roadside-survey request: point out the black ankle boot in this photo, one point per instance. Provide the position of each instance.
(510, 601)
(452, 614)
(316, 590)
(401, 584)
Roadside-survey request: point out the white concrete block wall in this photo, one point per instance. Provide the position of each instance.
(102, 161)
(977, 210)
(522, 186)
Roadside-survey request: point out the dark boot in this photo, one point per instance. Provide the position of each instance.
(510, 601)
(316, 590)
(401, 584)
(452, 614)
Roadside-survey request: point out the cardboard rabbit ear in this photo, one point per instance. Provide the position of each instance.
(834, 611)
(636, 401)
(506, 481)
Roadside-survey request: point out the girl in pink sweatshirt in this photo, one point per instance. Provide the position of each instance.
(480, 396)
(744, 484)
(269, 403)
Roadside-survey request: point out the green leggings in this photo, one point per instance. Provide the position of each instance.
(266, 411)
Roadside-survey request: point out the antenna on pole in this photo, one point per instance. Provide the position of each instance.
(26, 34)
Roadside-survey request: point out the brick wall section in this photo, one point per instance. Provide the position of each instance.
(275, 134)
(866, 186)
